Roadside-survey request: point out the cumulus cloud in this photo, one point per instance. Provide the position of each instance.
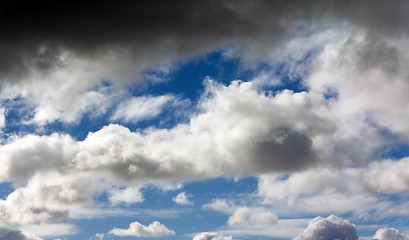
(211, 236)
(47, 199)
(252, 217)
(331, 227)
(183, 199)
(390, 234)
(128, 195)
(329, 190)
(155, 229)
(238, 131)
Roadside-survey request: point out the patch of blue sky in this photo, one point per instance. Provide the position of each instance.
(5, 189)
(186, 78)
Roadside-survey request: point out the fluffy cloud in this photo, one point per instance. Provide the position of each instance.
(211, 236)
(239, 131)
(331, 227)
(389, 234)
(221, 205)
(347, 69)
(252, 217)
(263, 140)
(155, 229)
(182, 199)
(141, 108)
(322, 190)
(127, 195)
(48, 198)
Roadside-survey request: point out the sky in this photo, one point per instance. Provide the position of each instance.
(204, 120)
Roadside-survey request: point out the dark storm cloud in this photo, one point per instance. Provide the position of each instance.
(33, 34)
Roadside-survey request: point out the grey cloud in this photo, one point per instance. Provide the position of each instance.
(286, 150)
(61, 51)
(25, 157)
(13, 234)
(331, 227)
(34, 34)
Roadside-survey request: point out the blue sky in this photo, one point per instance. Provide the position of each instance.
(204, 120)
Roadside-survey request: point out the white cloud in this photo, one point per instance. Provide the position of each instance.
(99, 236)
(136, 109)
(329, 190)
(48, 198)
(50, 230)
(284, 228)
(128, 195)
(252, 218)
(155, 229)
(183, 199)
(331, 227)
(389, 234)
(221, 205)
(238, 131)
(358, 68)
(211, 236)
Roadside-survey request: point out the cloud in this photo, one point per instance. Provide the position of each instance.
(141, 108)
(48, 198)
(99, 236)
(355, 79)
(252, 218)
(390, 234)
(51, 230)
(128, 195)
(12, 234)
(53, 67)
(238, 131)
(220, 205)
(211, 236)
(329, 190)
(183, 199)
(331, 227)
(155, 229)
